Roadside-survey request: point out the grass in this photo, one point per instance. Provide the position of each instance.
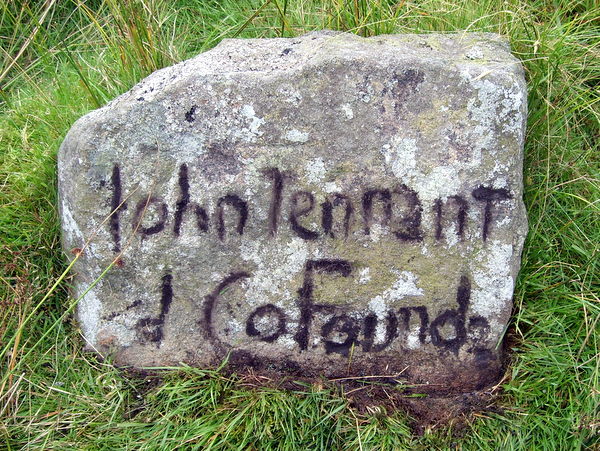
(60, 59)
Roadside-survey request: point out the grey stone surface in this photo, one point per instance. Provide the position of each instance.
(322, 205)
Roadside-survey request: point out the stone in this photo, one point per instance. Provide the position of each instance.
(327, 205)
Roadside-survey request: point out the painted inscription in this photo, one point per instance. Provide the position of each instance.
(397, 207)
(338, 328)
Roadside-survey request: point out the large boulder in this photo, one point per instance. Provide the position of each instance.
(322, 205)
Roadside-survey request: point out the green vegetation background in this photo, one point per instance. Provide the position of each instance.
(62, 58)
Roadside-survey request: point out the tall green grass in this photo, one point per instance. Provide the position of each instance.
(60, 59)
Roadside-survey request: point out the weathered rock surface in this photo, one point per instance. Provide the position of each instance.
(322, 205)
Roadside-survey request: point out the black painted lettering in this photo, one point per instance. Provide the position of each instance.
(276, 197)
(242, 210)
(454, 317)
(479, 328)
(370, 328)
(184, 199)
(302, 203)
(201, 218)
(184, 203)
(327, 216)
(340, 325)
(151, 328)
(210, 302)
(489, 196)
(437, 209)
(271, 314)
(367, 203)
(143, 207)
(116, 206)
(461, 207)
(306, 302)
(409, 221)
(421, 310)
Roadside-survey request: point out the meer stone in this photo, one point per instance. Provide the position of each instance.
(322, 205)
